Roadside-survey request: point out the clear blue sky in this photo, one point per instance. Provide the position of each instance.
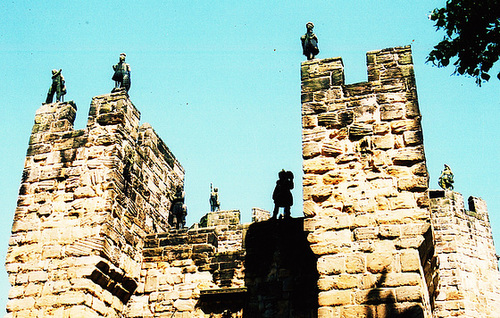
(220, 83)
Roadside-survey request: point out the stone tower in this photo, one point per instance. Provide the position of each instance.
(87, 199)
(384, 248)
(365, 183)
(469, 281)
(91, 237)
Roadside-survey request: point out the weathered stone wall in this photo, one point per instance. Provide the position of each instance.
(183, 273)
(365, 183)
(87, 199)
(91, 238)
(469, 281)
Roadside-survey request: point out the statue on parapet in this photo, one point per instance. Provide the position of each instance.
(282, 194)
(177, 218)
(122, 74)
(214, 199)
(58, 87)
(446, 178)
(309, 42)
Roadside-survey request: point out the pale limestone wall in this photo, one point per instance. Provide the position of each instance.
(87, 199)
(183, 271)
(365, 183)
(469, 280)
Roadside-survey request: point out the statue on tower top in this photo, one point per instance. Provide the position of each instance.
(214, 199)
(58, 87)
(446, 178)
(309, 42)
(122, 74)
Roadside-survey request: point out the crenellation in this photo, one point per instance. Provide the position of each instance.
(78, 212)
(92, 233)
(370, 170)
(468, 271)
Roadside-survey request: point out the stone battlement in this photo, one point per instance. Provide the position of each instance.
(469, 284)
(91, 234)
(87, 199)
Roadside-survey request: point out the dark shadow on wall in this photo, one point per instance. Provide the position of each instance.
(280, 271)
(384, 303)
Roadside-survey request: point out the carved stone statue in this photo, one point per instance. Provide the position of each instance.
(309, 42)
(446, 178)
(282, 195)
(122, 74)
(178, 213)
(214, 199)
(58, 87)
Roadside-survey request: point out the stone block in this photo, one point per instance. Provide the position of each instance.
(346, 281)
(151, 283)
(315, 84)
(310, 150)
(383, 142)
(332, 149)
(38, 276)
(417, 184)
(185, 304)
(310, 209)
(413, 138)
(335, 120)
(357, 311)
(390, 231)
(334, 177)
(317, 134)
(402, 126)
(366, 233)
(409, 293)
(81, 311)
(379, 262)
(357, 131)
(329, 248)
(392, 279)
(335, 298)
(410, 261)
(392, 112)
(355, 263)
(331, 264)
(309, 121)
(375, 296)
(323, 312)
(326, 283)
(20, 304)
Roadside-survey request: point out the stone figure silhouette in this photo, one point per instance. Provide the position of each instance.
(179, 210)
(282, 195)
(214, 199)
(122, 74)
(58, 87)
(309, 42)
(446, 178)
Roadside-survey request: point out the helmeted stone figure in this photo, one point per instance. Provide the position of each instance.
(122, 74)
(282, 195)
(58, 87)
(309, 42)
(214, 199)
(446, 178)
(179, 210)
